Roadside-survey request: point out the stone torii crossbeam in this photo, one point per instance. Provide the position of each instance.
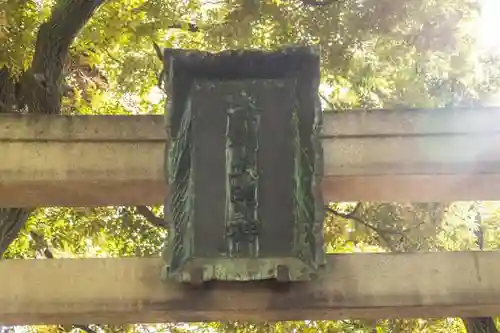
(370, 155)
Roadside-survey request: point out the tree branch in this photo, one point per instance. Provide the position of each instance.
(330, 104)
(314, 3)
(383, 233)
(145, 212)
(353, 216)
(41, 245)
(187, 26)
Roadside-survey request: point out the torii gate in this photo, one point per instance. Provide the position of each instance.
(412, 155)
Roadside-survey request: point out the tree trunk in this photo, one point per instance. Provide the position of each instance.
(480, 325)
(38, 89)
(12, 221)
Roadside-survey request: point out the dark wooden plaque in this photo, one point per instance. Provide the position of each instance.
(244, 165)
